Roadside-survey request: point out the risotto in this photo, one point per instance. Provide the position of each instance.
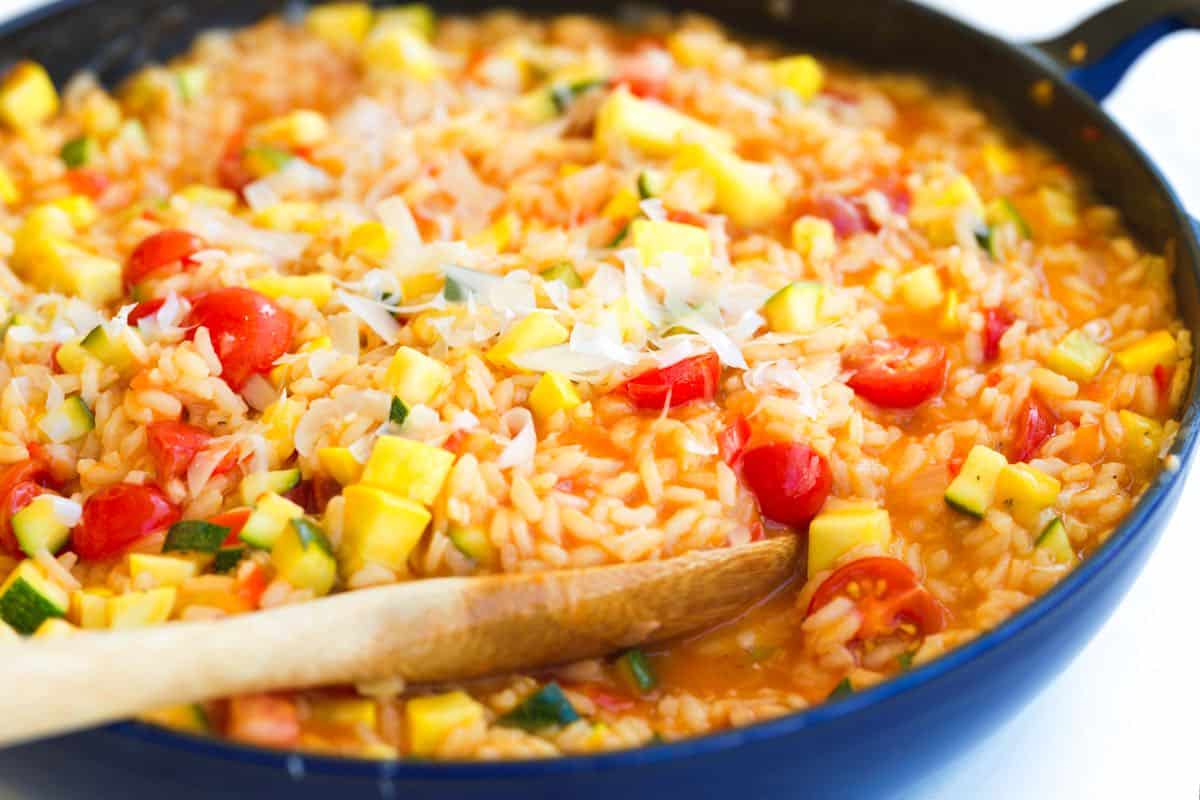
(359, 297)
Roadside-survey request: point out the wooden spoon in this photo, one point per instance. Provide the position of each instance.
(442, 629)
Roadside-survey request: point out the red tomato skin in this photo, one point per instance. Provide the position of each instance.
(143, 310)
(231, 170)
(1035, 424)
(251, 582)
(847, 217)
(732, 441)
(996, 322)
(173, 445)
(902, 598)
(694, 378)
(118, 516)
(1163, 377)
(235, 520)
(19, 484)
(248, 331)
(267, 720)
(87, 182)
(790, 480)
(645, 74)
(898, 373)
(163, 253)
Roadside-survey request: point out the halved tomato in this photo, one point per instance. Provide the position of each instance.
(888, 596)
(897, 373)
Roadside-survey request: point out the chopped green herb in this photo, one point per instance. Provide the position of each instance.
(843, 689)
(310, 534)
(905, 660)
(563, 94)
(636, 670)
(454, 291)
(78, 152)
(192, 81)
(398, 412)
(227, 558)
(545, 707)
(621, 235)
(195, 535)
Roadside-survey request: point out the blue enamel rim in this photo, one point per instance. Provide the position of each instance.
(1126, 534)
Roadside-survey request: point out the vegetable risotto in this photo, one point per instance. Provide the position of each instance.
(361, 297)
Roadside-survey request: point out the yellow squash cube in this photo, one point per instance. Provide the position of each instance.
(401, 50)
(430, 719)
(300, 128)
(380, 527)
(1025, 492)
(802, 75)
(349, 711)
(650, 127)
(654, 239)
(745, 191)
(937, 205)
(166, 570)
(408, 468)
(281, 419)
(921, 289)
(553, 392)
(1142, 440)
(317, 287)
(140, 609)
(199, 194)
(343, 25)
(54, 628)
(9, 193)
(814, 238)
(415, 377)
(1078, 357)
(369, 240)
(89, 608)
(534, 332)
(303, 557)
(834, 533)
(1141, 357)
(27, 96)
(340, 464)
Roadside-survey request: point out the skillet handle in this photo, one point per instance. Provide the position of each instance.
(1096, 53)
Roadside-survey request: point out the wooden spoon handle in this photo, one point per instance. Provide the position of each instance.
(424, 631)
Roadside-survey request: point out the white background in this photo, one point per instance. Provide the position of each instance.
(1123, 721)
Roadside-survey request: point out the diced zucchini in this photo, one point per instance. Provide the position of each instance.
(1025, 492)
(303, 555)
(802, 75)
(546, 707)
(317, 287)
(843, 689)
(563, 94)
(140, 609)
(1154, 350)
(1077, 357)
(45, 524)
(195, 535)
(1142, 439)
(279, 481)
(27, 96)
(565, 273)
(636, 671)
(796, 308)
(432, 718)
(108, 348)
(938, 205)
(280, 420)
(533, 332)
(340, 464)
(270, 518)
(380, 527)
(343, 25)
(814, 238)
(408, 468)
(397, 411)
(745, 191)
(1055, 541)
(650, 183)
(79, 152)
(834, 533)
(28, 598)
(999, 214)
(262, 160)
(473, 543)
(227, 558)
(166, 570)
(397, 49)
(553, 392)
(974, 488)
(415, 377)
(651, 127)
(71, 420)
(654, 239)
(921, 289)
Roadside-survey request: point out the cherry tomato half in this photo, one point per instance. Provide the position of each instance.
(887, 594)
(248, 331)
(645, 74)
(268, 720)
(847, 216)
(173, 445)
(694, 378)
(163, 253)
(19, 484)
(996, 321)
(1035, 424)
(897, 373)
(732, 440)
(235, 520)
(232, 173)
(143, 310)
(88, 182)
(118, 516)
(790, 480)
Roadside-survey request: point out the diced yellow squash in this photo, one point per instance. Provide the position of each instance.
(745, 191)
(416, 16)
(290, 216)
(796, 308)
(1141, 357)
(317, 287)
(303, 557)
(921, 289)
(343, 25)
(79, 208)
(1025, 492)
(938, 205)
(650, 127)
(1142, 438)
(473, 542)
(300, 128)
(1053, 213)
(624, 204)
(1077, 357)
(188, 717)
(408, 468)
(167, 570)
(421, 284)
(401, 50)
(261, 160)
(534, 332)
(139, 609)
(834, 533)
(53, 264)
(974, 488)
(54, 628)
(281, 419)
(950, 319)
(498, 236)
(89, 608)
(430, 719)
(9, 193)
(655, 238)
(814, 238)
(348, 711)
(415, 377)
(198, 194)
(101, 115)
(380, 527)
(340, 464)
(27, 96)
(369, 240)
(72, 358)
(552, 393)
(628, 319)
(998, 159)
(696, 48)
(802, 75)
